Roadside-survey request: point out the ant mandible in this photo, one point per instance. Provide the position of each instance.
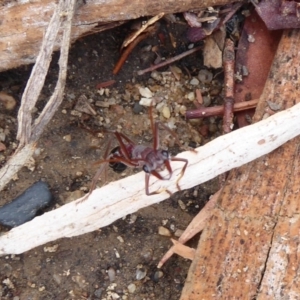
(151, 159)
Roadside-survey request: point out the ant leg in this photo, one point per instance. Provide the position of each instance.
(185, 161)
(147, 179)
(121, 136)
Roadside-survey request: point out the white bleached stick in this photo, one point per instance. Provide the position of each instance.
(119, 198)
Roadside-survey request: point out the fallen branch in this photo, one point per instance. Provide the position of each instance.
(123, 197)
(203, 112)
(228, 61)
(170, 61)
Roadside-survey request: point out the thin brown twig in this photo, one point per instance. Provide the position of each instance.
(127, 51)
(219, 110)
(228, 61)
(170, 61)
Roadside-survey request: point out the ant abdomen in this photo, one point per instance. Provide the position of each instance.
(118, 167)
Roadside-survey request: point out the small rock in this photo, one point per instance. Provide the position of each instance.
(274, 106)
(131, 288)
(102, 104)
(120, 239)
(181, 204)
(166, 112)
(132, 218)
(194, 81)
(205, 76)
(206, 101)
(182, 110)
(84, 106)
(191, 96)
(76, 113)
(67, 138)
(145, 101)
(137, 108)
(24, 208)
(8, 101)
(8, 283)
(98, 293)
(157, 275)
(111, 274)
(51, 249)
(156, 76)
(145, 92)
(164, 231)
(140, 273)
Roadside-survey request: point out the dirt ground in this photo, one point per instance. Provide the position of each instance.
(118, 261)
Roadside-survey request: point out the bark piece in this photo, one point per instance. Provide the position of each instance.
(241, 251)
(23, 23)
(256, 57)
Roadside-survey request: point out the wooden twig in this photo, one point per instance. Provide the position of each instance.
(127, 51)
(203, 112)
(123, 197)
(170, 61)
(228, 61)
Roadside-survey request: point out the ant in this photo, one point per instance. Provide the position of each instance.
(151, 159)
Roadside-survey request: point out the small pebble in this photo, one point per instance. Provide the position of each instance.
(191, 96)
(145, 101)
(166, 112)
(98, 292)
(131, 288)
(181, 204)
(137, 108)
(8, 101)
(206, 101)
(120, 239)
(24, 207)
(111, 274)
(157, 275)
(164, 231)
(182, 110)
(51, 249)
(67, 138)
(205, 76)
(140, 273)
(132, 218)
(145, 92)
(194, 81)
(103, 104)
